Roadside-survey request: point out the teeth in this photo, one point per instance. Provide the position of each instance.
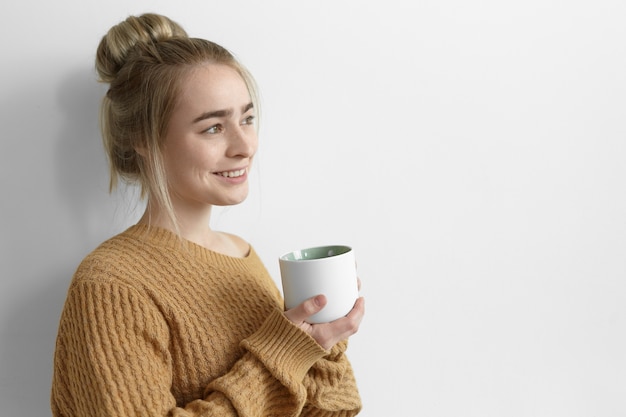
(232, 174)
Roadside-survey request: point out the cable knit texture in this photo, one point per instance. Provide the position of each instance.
(157, 326)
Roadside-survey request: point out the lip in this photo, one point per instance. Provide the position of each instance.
(233, 180)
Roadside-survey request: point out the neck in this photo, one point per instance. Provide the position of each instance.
(191, 223)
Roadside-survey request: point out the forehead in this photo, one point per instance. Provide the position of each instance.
(213, 87)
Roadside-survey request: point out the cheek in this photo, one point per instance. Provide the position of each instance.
(187, 156)
(201, 163)
(254, 143)
(176, 163)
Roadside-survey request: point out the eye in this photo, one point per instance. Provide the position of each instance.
(214, 129)
(248, 120)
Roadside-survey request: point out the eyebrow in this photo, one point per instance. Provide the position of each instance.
(221, 113)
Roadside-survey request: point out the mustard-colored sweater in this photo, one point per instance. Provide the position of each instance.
(151, 327)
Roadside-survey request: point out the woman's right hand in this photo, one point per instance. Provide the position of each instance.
(327, 334)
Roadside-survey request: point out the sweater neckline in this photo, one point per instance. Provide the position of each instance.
(161, 237)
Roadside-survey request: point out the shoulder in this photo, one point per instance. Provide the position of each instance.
(117, 259)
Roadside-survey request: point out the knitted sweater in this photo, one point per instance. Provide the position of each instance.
(153, 326)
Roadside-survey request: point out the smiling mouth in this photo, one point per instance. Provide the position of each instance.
(231, 174)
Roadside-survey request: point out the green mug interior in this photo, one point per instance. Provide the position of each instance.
(319, 252)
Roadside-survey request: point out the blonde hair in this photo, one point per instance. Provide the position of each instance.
(144, 59)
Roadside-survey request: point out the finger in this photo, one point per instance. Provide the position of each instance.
(355, 316)
(358, 280)
(349, 324)
(328, 334)
(358, 311)
(306, 309)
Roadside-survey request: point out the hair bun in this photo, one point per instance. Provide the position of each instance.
(115, 46)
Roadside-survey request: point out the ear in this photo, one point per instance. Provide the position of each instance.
(141, 151)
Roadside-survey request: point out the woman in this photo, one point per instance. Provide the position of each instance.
(170, 317)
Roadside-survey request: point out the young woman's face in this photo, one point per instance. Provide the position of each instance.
(211, 139)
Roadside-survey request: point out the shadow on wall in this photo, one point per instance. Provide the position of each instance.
(28, 336)
(82, 173)
(28, 330)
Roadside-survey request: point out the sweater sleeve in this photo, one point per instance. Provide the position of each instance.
(112, 359)
(331, 386)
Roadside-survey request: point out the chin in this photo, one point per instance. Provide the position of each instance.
(232, 201)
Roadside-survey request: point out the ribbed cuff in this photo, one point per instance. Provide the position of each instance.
(285, 349)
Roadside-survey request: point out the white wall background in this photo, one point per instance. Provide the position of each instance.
(473, 152)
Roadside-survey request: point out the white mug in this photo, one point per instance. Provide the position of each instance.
(328, 270)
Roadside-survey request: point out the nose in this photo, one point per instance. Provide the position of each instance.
(243, 142)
